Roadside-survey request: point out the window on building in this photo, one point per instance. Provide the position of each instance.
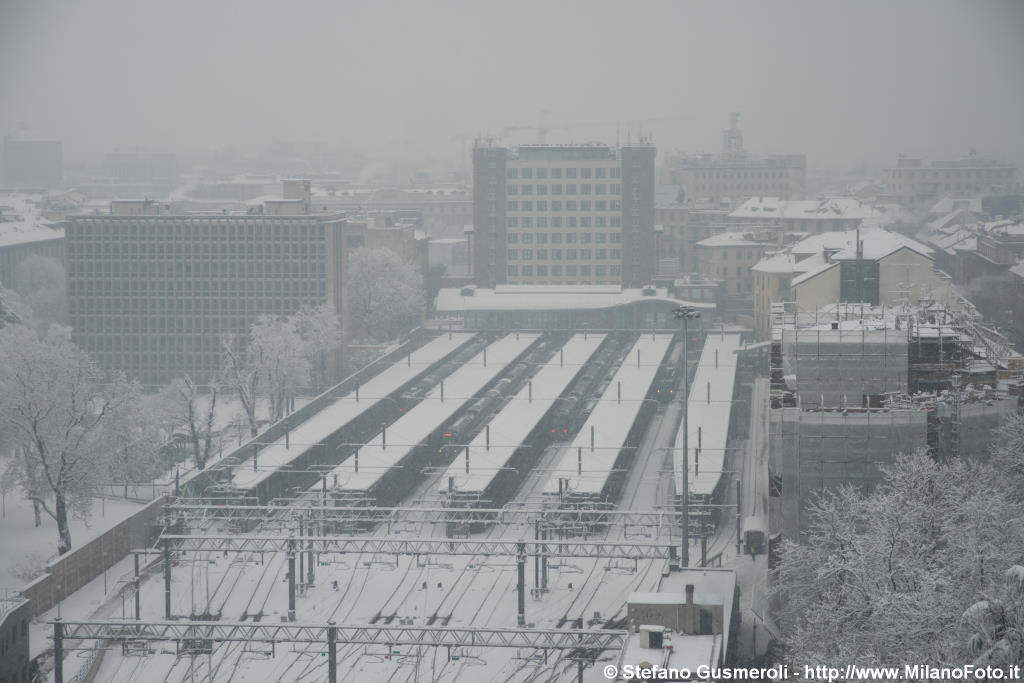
(556, 238)
(570, 221)
(570, 173)
(556, 204)
(542, 254)
(556, 221)
(556, 173)
(513, 254)
(542, 173)
(570, 188)
(527, 173)
(585, 172)
(527, 188)
(527, 222)
(527, 269)
(542, 205)
(512, 173)
(527, 238)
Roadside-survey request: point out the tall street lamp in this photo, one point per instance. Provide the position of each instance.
(686, 313)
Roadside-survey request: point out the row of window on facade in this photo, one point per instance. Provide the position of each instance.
(570, 238)
(570, 188)
(203, 291)
(731, 174)
(570, 254)
(280, 230)
(584, 270)
(568, 222)
(541, 172)
(558, 205)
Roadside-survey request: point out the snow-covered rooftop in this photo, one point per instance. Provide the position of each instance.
(611, 419)
(547, 298)
(413, 428)
(739, 238)
(709, 411)
(511, 426)
(21, 222)
(345, 409)
(829, 208)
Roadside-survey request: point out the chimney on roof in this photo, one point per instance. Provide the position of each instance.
(689, 594)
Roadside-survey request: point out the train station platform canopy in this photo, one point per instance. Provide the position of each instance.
(561, 307)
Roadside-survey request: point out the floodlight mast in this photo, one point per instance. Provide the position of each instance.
(685, 314)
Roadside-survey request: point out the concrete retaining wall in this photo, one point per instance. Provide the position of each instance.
(69, 572)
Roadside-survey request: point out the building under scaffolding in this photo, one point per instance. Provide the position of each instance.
(854, 385)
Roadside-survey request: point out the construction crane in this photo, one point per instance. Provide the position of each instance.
(541, 128)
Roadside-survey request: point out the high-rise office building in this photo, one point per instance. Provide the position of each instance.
(563, 214)
(156, 295)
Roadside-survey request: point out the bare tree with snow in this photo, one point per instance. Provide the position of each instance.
(58, 404)
(884, 577)
(242, 376)
(195, 411)
(385, 295)
(320, 331)
(277, 349)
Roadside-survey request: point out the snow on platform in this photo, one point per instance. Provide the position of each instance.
(520, 416)
(345, 409)
(611, 419)
(709, 419)
(415, 426)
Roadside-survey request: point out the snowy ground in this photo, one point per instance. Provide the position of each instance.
(22, 543)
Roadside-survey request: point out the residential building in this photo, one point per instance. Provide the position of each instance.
(157, 295)
(728, 258)
(734, 174)
(828, 214)
(886, 268)
(31, 162)
(564, 214)
(914, 184)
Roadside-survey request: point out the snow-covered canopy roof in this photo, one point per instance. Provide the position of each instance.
(549, 298)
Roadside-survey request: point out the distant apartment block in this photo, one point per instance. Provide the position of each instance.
(32, 163)
(914, 184)
(564, 214)
(734, 174)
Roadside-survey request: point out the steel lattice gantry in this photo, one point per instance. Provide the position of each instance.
(310, 545)
(420, 546)
(225, 631)
(330, 634)
(422, 515)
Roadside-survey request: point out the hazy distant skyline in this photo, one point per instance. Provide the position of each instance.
(845, 83)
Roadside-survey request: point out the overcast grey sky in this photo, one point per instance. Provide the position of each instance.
(844, 82)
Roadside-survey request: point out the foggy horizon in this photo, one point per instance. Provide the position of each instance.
(847, 85)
